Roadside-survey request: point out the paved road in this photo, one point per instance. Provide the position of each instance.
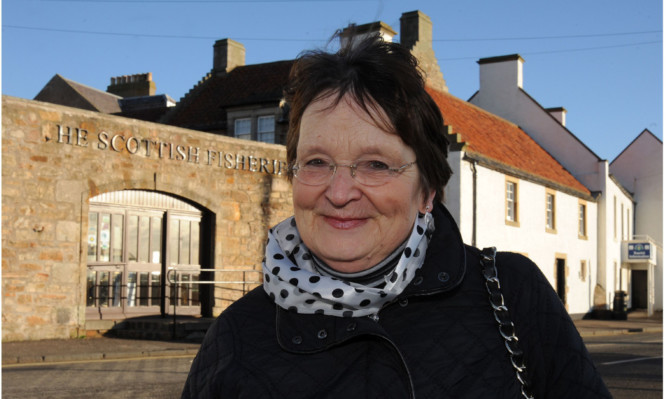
(147, 378)
(630, 364)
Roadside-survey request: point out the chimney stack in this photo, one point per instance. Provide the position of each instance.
(558, 113)
(357, 33)
(227, 55)
(417, 35)
(501, 74)
(138, 85)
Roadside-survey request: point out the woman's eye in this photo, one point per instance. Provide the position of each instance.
(317, 162)
(374, 165)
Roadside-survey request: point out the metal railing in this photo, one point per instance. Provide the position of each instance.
(175, 282)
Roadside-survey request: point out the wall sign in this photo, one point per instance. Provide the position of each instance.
(639, 250)
(157, 149)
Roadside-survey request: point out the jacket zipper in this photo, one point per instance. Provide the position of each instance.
(376, 318)
(405, 365)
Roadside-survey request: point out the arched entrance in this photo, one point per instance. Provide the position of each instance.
(133, 237)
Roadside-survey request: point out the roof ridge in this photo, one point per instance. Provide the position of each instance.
(633, 141)
(471, 133)
(75, 85)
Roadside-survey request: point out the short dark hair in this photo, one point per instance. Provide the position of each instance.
(375, 73)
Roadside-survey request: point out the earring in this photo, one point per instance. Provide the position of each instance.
(428, 208)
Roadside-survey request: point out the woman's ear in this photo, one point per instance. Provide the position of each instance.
(427, 205)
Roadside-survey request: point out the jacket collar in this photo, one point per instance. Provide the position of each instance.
(443, 270)
(445, 262)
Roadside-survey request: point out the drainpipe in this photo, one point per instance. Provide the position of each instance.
(474, 202)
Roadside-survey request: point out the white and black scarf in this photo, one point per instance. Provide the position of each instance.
(294, 281)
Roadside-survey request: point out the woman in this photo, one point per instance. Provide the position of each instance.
(369, 291)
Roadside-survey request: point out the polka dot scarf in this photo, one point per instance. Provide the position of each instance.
(292, 281)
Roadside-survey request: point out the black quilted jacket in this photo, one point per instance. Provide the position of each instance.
(438, 340)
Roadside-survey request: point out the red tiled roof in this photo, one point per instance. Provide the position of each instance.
(501, 141)
(206, 104)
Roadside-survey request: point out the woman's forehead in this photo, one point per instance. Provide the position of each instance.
(352, 145)
(364, 109)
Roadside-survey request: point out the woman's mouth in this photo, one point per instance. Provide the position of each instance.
(344, 223)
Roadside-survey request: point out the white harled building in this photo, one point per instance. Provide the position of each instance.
(628, 192)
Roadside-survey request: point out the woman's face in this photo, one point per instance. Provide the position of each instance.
(350, 226)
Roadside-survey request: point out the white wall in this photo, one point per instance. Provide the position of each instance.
(531, 237)
(639, 169)
(618, 209)
(453, 188)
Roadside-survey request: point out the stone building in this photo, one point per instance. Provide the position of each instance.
(98, 208)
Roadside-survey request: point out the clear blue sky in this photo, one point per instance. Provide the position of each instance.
(601, 60)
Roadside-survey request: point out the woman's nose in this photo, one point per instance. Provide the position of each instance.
(343, 188)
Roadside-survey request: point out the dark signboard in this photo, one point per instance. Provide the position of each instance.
(639, 250)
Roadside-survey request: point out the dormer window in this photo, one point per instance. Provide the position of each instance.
(254, 126)
(266, 129)
(243, 128)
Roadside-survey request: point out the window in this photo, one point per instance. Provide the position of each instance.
(184, 241)
(583, 270)
(266, 128)
(254, 127)
(551, 211)
(628, 223)
(582, 220)
(622, 223)
(511, 202)
(105, 237)
(615, 223)
(243, 128)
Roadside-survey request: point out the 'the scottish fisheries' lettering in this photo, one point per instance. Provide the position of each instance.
(158, 149)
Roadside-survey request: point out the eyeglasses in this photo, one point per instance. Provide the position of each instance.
(369, 173)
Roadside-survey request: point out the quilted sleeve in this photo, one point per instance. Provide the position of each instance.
(218, 371)
(558, 362)
(209, 371)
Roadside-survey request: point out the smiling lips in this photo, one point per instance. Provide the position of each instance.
(344, 223)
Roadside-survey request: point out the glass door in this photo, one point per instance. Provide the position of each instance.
(144, 263)
(106, 268)
(124, 276)
(183, 248)
(133, 236)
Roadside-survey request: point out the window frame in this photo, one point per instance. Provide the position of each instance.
(513, 203)
(271, 133)
(615, 220)
(582, 224)
(583, 270)
(550, 194)
(244, 135)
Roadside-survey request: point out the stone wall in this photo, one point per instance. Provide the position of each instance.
(55, 158)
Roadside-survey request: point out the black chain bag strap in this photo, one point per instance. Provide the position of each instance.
(502, 316)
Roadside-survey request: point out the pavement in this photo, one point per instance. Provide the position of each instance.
(105, 348)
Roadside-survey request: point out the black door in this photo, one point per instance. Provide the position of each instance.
(639, 289)
(560, 279)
